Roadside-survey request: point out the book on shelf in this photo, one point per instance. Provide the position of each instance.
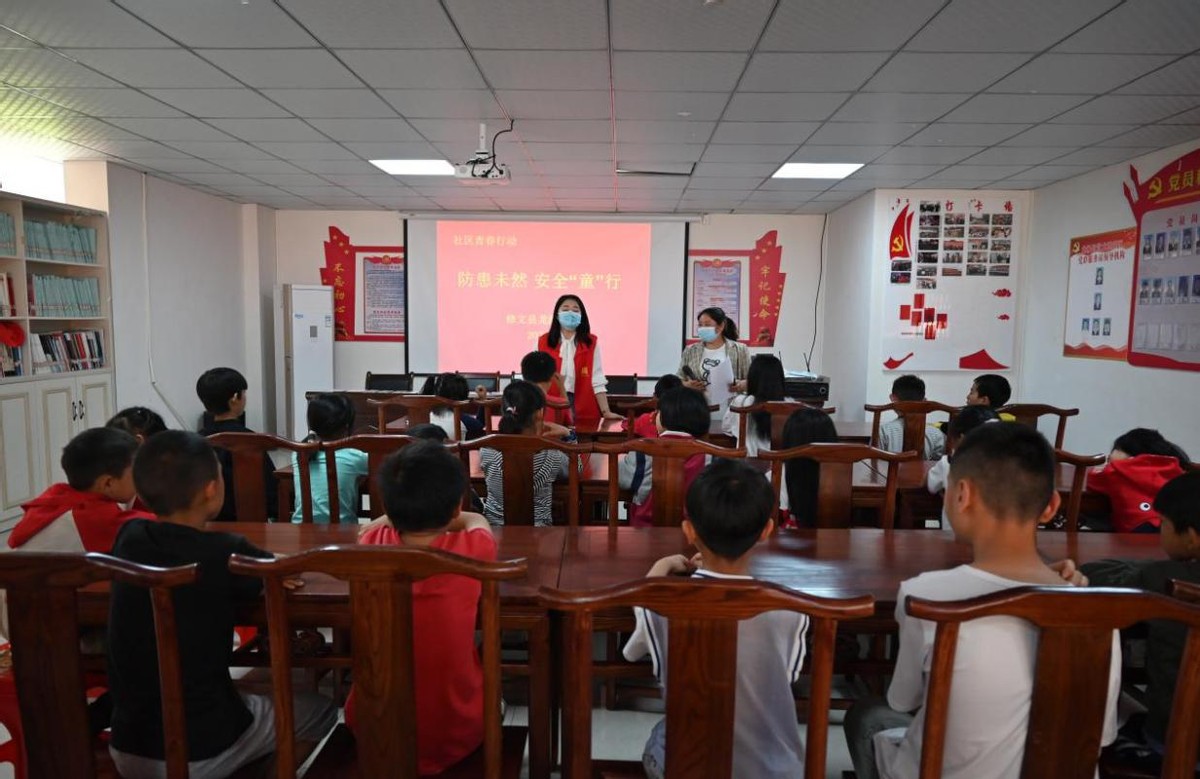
(59, 242)
(63, 296)
(8, 235)
(64, 352)
(8, 305)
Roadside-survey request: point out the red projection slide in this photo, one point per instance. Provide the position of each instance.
(497, 283)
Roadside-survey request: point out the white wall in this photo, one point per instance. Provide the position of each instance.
(178, 287)
(299, 256)
(1113, 397)
(847, 323)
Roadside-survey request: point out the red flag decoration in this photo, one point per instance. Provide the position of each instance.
(766, 290)
(341, 273)
(899, 244)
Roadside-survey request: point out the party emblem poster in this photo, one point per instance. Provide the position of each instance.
(1098, 287)
(950, 267)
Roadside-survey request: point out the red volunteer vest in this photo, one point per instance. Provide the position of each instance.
(586, 406)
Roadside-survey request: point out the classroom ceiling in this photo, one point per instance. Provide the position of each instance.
(283, 102)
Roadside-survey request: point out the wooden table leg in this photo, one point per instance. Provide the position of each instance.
(541, 736)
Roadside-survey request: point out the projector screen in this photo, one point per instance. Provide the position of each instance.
(490, 288)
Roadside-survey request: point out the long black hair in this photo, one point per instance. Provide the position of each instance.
(764, 381)
(1143, 440)
(330, 416)
(138, 421)
(583, 333)
(522, 400)
(726, 326)
(802, 477)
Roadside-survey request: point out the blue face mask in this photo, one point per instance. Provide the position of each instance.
(570, 319)
(707, 334)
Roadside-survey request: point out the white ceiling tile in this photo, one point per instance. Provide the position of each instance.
(257, 167)
(699, 106)
(460, 132)
(1186, 117)
(889, 107)
(982, 172)
(221, 150)
(292, 179)
(863, 133)
(580, 204)
(811, 152)
(376, 24)
(883, 170)
(44, 68)
(760, 169)
(1075, 135)
(952, 182)
(565, 130)
(167, 68)
(220, 180)
(659, 152)
(177, 165)
(724, 182)
(360, 181)
(71, 127)
(911, 71)
(318, 192)
(1016, 155)
(676, 71)
(283, 68)
(213, 103)
(1171, 25)
(736, 152)
(172, 129)
(1128, 109)
(1020, 183)
(105, 102)
(572, 170)
(306, 151)
(918, 155)
(255, 193)
(1053, 172)
(569, 151)
(766, 196)
(1079, 74)
(833, 197)
(332, 103)
(657, 186)
(475, 104)
(764, 132)
(1103, 155)
(1158, 135)
(357, 130)
(568, 70)
(636, 131)
(141, 149)
(220, 24)
(784, 106)
(835, 25)
(837, 72)
(685, 25)
(555, 104)
(18, 103)
(1017, 25)
(61, 23)
(955, 134)
(337, 166)
(1009, 109)
(531, 24)
(268, 129)
(414, 69)
(1181, 77)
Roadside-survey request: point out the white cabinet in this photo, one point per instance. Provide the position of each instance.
(66, 407)
(18, 451)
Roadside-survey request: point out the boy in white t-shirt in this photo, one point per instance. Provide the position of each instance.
(1000, 488)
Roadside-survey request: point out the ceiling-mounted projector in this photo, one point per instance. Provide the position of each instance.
(482, 169)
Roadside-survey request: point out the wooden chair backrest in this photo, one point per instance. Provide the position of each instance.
(249, 481)
(836, 490)
(702, 661)
(377, 448)
(633, 410)
(667, 478)
(1185, 591)
(381, 640)
(1070, 690)
(418, 409)
(1030, 413)
(914, 413)
(1082, 463)
(518, 452)
(43, 620)
(779, 410)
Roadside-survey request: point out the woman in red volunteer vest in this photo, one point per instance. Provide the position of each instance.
(576, 354)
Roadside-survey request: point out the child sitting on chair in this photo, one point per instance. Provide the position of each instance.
(891, 433)
(422, 488)
(729, 512)
(523, 405)
(331, 417)
(1140, 463)
(646, 425)
(1001, 487)
(682, 413)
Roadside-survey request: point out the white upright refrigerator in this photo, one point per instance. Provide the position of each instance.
(307, 349)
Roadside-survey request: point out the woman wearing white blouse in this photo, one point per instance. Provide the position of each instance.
(576, 354)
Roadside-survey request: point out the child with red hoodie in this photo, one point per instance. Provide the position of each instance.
(1140, 463)
(85, 513)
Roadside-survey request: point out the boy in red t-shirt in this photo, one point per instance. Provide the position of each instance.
(646, 425)
(682, 413)
(422, 488)
(85, 513)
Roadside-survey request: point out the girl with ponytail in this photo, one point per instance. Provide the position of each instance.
(330, 417)
(522, 409)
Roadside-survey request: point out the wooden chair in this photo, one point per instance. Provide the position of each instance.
(1030, 413)
(633, 410)
(835, 496)
(667, 479)
(779, 410)
(1082, 464)
(394, 382)
(377, 448)
(417, 408)
(518, 452)
(702, 662)
(43, 620)
(913, 413)
(249, 481)
(381, 604)
(1066, 714)
(1189, 592)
